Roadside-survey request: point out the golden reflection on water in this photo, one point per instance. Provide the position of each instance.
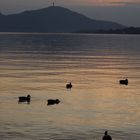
(96, 97)
(95, 101)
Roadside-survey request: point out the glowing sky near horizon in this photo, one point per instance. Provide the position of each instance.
(106, 2)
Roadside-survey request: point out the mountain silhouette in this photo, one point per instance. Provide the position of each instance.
(52, 19)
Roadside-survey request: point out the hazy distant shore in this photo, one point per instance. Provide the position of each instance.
(129, 30)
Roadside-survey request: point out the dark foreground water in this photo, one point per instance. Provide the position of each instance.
(41, 65)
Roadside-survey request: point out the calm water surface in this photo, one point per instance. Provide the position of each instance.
(41, 65)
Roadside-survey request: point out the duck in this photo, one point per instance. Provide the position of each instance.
(106, 136)
(69, 86)
(124, 82)
(24, 98)
(53, 101)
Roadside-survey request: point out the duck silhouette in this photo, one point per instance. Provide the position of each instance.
(53, 101)
(106, 136)
(69, 86)
(24, 99)
(124, 82)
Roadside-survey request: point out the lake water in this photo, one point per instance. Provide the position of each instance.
(42, 64)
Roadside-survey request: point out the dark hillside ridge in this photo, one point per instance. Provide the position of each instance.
(53, 19)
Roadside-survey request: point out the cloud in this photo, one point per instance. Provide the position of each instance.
(125, 3)
(101, 2)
